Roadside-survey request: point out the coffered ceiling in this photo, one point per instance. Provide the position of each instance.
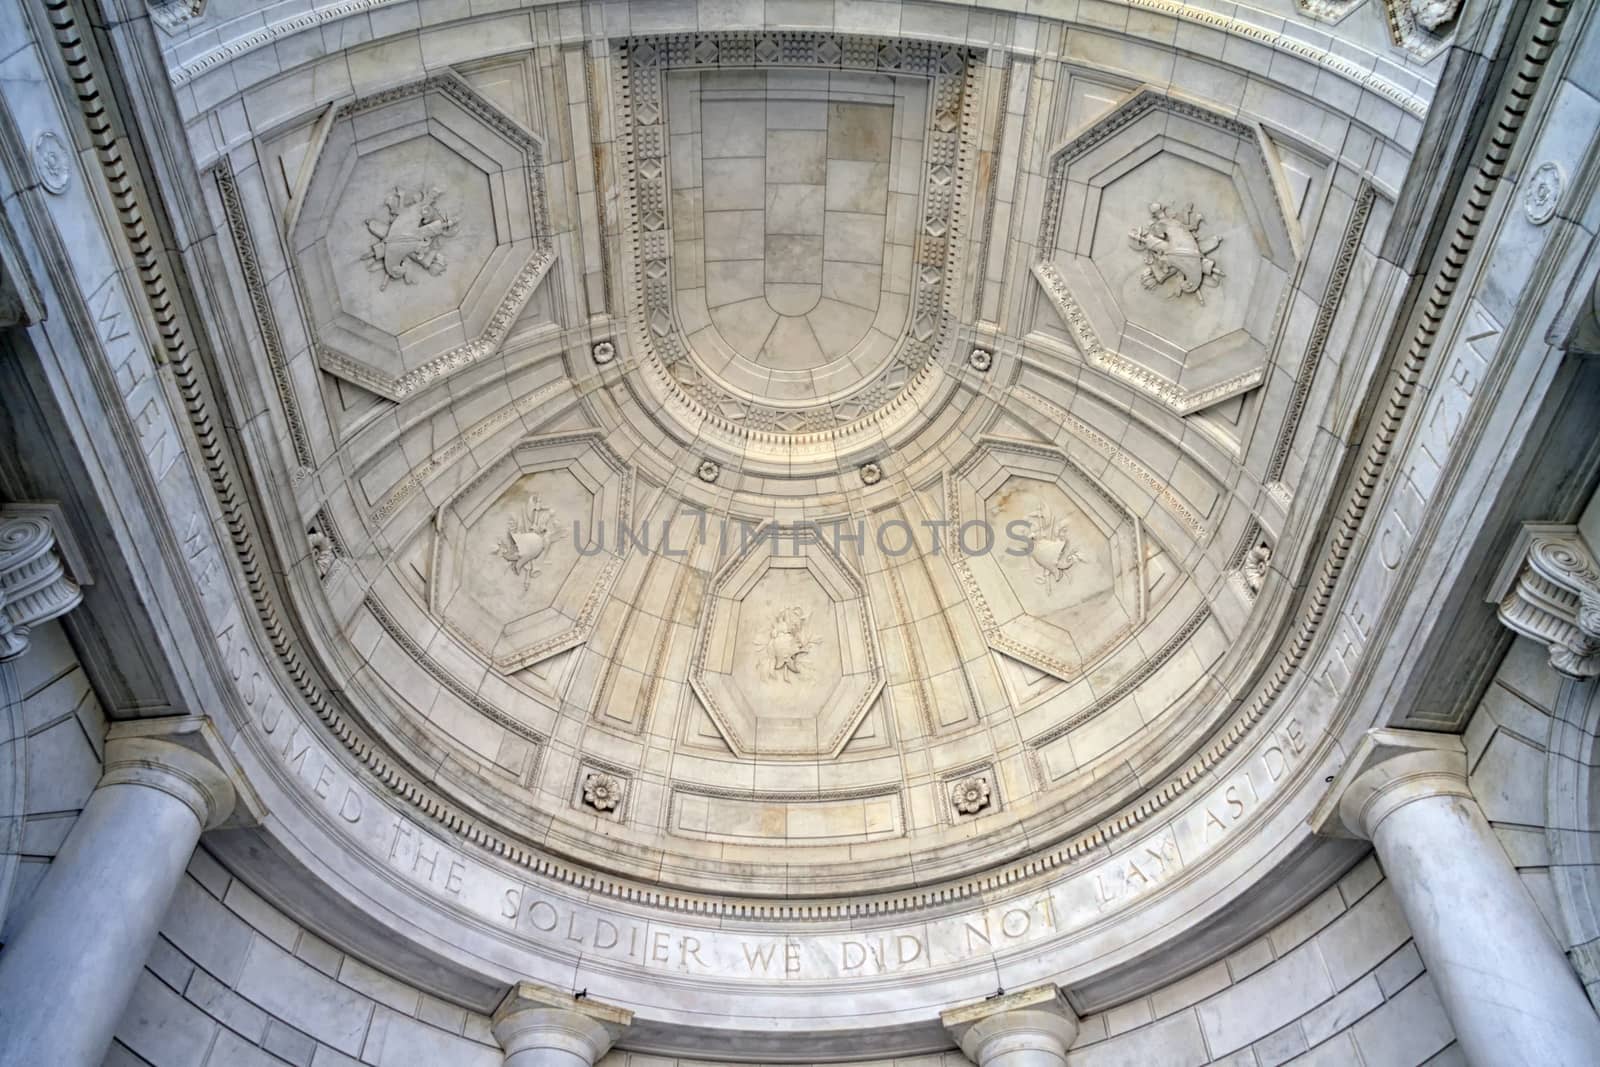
(795, 461)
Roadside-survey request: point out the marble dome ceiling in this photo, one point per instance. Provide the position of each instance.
(803, 462)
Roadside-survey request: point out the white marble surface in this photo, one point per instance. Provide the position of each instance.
(1113, 702)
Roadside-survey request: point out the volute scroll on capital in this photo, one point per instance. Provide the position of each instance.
(42, 571)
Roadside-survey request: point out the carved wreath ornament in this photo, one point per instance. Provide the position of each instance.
(408, 235)
(1176, 256)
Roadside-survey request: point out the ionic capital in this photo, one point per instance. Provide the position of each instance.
(35, 585)
(1388, 770)
(1548, 589)
(1032, 1020)
(536, 1018)
(184, 757)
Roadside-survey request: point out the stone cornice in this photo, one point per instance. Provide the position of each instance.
(1339, 64)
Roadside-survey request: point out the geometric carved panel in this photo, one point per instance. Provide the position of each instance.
(419, 234)
(1166, 251)
(1064, 583)
(786, 662)
(508, 578)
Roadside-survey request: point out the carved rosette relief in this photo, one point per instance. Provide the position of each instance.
(1253, 570)
(1543, 194)
(52, 162)
(1177, 256)
(1251, 560)
(971, 795)
(601, 791)
(409, 235)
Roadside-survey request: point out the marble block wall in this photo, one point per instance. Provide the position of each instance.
(232, 982)
(235, 983)
(51, 724)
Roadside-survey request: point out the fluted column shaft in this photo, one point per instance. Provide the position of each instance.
(68, 974)
(1505, 984)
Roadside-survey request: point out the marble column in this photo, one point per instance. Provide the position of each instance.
(1507, 987)
(1031, 1028)
(67, 975)
(542, 1027)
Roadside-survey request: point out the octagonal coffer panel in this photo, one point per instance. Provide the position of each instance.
(418, 235)
(1064, 584)
(1166, 250)
(526, 552)
(786, 662)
